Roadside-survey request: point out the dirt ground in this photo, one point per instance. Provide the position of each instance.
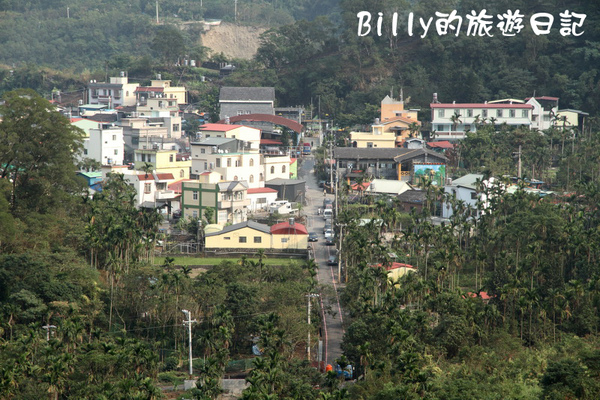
(233, 40)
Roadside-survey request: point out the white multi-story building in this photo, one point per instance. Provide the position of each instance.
(545, 110)
(231, 158)
(105, 144)
(240, 132)
(117, 92)
(276, 167)
(450, 121)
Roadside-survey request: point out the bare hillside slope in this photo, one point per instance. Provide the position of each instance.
(233, 40)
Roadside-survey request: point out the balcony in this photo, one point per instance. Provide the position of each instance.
(166, 195)
(233, 204)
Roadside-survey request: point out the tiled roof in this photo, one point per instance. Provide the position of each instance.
(246, 224)
(247, 93)
(162, 176)
(443, 144)
(285, 228)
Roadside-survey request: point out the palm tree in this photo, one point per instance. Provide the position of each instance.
(455, 118)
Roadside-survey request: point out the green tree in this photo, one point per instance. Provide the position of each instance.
(38, 148)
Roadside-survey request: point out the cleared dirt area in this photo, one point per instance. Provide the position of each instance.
(233, 40)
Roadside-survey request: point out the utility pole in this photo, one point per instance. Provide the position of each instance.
(48, 328)
(189, 323)
(330, 166)
(235, 10)
(340, 252)
(309, 297)
(519, 167)
(157, 11)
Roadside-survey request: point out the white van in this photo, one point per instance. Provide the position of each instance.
(327, 213)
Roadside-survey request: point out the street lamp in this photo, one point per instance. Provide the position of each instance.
(189, 323)
(309, 296)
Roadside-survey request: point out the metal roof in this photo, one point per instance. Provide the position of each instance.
(246, 224)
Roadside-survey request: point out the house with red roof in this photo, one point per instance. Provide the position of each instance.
(253, 236)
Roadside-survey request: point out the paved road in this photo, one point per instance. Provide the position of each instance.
(333, 329)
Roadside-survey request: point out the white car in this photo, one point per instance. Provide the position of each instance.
(329, 233)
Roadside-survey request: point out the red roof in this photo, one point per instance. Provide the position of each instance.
(270, 141)
(176, 186)
(443, 144)
(480, 105)
(76, 119)
(483, 295)
(219, 127)
(363, 186)
(149, 89)
(164, 176)
(261, 190)
(284, 228)
(293, 160)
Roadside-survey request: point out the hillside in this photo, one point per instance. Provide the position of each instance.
(234, 41)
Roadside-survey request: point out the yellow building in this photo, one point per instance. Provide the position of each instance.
(164, 161)
(252, 235)
(245, 235)
(395, 125)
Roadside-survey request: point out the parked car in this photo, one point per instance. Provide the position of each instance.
(313, 237)
(330, 241)
(329, 233)
(332, 260)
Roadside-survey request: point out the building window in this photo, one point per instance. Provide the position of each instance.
(235, 178)
(441, 113)
(194, 195)
(170, 157)
(116, 152)
(473, 196)
(499, 113)
(284, 240)
(261, 177)
(283, 169)
(525, 113)
(252, 162)
(182, 173)
(511, 113)
(143, 157)
(229, 162)
(147, 188)
(227, 238)
(272, 169)
(242, 239)
(85, 151)
(469, 113)
(457, 112)
(237, 163)
(484, 113)
(219, 163)
(257, 239)
(195, 214)
(114, 137)
(251, 179)
(202, 150)
(369, 144)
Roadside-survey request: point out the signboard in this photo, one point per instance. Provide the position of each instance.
(436, 173)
